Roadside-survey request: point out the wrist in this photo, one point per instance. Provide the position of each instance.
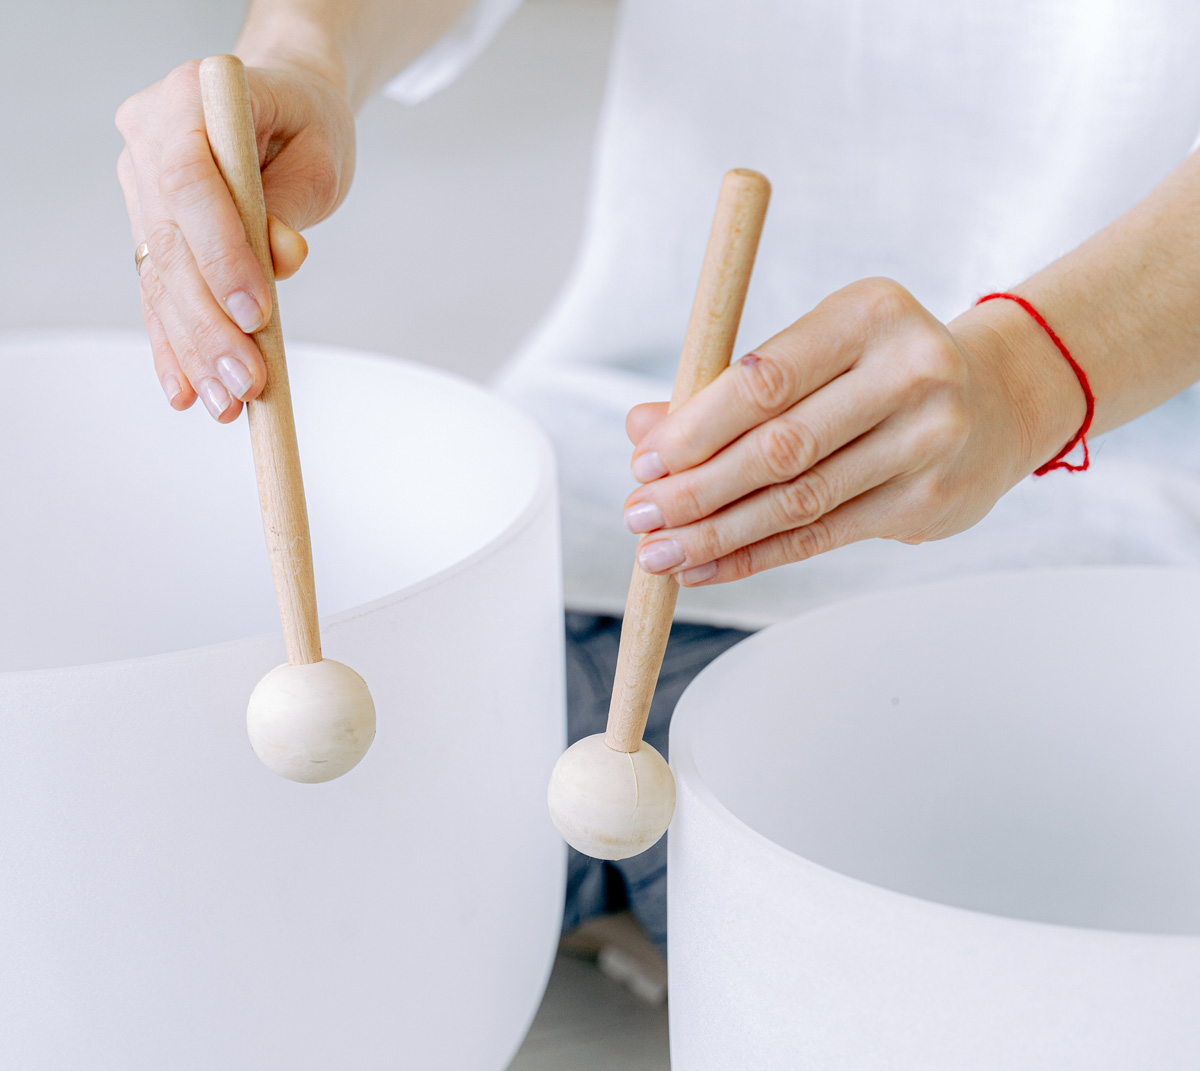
(1036, 385)
(287, 41)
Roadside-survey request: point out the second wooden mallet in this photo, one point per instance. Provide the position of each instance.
(612, 795)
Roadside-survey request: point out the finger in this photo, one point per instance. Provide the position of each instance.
(174, 382)
(847, 524)
(288, 248)
(774, 452)
(807, 355)
(205, 341)
(192, 194)
(777, 509)
(642, 418)
(205, 374)
(175, 385)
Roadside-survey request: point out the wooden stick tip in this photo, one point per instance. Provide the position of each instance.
(747, 177)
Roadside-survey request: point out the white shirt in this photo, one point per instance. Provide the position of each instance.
(954, 145)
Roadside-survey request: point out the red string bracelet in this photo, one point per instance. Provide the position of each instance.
(1080, 437)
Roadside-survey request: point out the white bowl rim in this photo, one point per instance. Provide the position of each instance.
(545, 491)
(683, 762)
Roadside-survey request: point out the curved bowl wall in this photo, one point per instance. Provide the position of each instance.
(945, 827)
(165, 901)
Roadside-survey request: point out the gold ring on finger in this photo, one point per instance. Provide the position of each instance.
(139, 255)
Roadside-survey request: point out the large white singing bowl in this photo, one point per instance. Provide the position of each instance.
(165, 900)
(946, 828)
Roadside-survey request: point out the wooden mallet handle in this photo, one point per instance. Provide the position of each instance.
(707, 348)
(230, 122)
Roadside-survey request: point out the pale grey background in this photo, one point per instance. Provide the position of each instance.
(462, 221)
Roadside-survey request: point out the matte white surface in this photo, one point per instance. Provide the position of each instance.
(945, 827)
(164, 900)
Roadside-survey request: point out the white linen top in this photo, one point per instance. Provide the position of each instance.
(954, 145)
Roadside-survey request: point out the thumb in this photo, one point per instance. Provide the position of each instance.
(642, 418)
(288, 248)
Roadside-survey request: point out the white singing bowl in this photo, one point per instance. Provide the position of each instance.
(166, 901)
(944, 828)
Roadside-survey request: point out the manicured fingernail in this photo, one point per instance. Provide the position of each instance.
(648, 467)
(214, 396)
(171, 387)
(661, 554)
(643, 517)
(700, 574)
(245, 311)
(235, 375)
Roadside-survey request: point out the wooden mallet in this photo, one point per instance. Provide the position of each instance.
(311, 719)
(612, 795)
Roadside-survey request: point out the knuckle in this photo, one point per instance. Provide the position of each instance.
(219, 262)
(786, 448)
(703, 544)
(683, 505)
(809, 541)
(936, 368)
(209, 336)
(877, 299)
(186, 173)
(739, 564)
(937, 493)
(128, 116)
(151, 285)
(928, 501)
(945, 434)
(954, 428)
(165, 242)
(766, 383)
(183, 79)
(805, 500)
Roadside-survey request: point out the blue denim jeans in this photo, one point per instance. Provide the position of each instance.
(594, 886)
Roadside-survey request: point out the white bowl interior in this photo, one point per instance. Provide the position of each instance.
(134, 530)
(1025, 745)
(166, 901)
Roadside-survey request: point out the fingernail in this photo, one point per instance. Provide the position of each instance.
(214, 396)
(648, 467)
(235, 375)
(700, 574)
(661, 554)
(643, 517)
(171, 387)
(245, 311)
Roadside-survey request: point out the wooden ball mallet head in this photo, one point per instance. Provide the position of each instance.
(612, 795)
(311, 719)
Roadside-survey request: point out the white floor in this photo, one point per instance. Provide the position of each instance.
(462, 222)
(588, 1022)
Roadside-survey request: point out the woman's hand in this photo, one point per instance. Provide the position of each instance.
(202, 289)
(867, 417)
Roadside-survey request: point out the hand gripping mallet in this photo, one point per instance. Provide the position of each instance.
(612, 795)
(310, 719)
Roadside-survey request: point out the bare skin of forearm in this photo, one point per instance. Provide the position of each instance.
(356, 45)
(1126, 303)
